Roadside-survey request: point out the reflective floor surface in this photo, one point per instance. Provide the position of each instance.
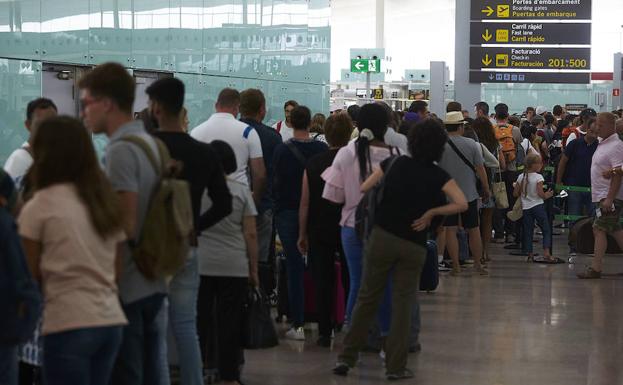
(525, 324)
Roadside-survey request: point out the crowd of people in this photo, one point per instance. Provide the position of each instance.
(74, 228)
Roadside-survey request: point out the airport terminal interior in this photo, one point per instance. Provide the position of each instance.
(277, 192)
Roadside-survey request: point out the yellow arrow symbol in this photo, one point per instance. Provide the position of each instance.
(487, 60)
(489, 11)
(487, 36)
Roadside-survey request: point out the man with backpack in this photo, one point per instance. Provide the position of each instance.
(574, 133)
(284, 127)
(203, 171)
(20, 299)
(509, 137)
(107, 97)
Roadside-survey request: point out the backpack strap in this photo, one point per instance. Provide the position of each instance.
(297, 153)
(144, 146)
(460, 154)
(279, 123)
(381, 190)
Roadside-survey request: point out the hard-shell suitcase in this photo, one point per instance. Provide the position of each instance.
(429, 278)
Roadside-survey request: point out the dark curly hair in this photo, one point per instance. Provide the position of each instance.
(427, 140)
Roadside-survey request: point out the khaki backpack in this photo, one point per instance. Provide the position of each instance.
(162, 246)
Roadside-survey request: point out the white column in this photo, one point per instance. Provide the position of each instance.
(380, 24)
(465, 93)
(438, 83)
(617, 101)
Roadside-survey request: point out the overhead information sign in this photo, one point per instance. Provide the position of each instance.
(529, 77)
(530, 33)
(530, 58)
(531, 9)
(365, 65)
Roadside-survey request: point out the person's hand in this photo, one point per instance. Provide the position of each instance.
(606, 205)
(303, 245)
(486, 194)
(607, 174)
(423, 222)
(549, 194)
(254, 279)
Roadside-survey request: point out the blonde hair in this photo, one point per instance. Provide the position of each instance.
(531, 160)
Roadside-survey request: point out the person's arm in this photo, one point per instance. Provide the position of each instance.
(502, 161)
(250, 237)
(32, 251)
(544, 195)
(219, 194)
(303, 243)
(457, 204)
(562, 168)
(518, 186)
(615, 186)
(482, 174)
(372, 180)
(258, 177)
(129, 205)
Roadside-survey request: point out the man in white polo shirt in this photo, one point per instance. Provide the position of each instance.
(284, 127)
(242, 138)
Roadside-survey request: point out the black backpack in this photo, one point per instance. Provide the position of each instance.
(20, 298)
(364, 215)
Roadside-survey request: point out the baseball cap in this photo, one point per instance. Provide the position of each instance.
(541, 110)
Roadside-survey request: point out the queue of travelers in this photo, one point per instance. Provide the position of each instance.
(77, 230)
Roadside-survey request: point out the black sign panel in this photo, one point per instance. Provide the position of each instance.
(529, 77)
(533, 58)
(531, 10)
(525, 33)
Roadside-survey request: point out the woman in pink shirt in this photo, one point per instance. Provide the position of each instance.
(352, 165)
(71, 229)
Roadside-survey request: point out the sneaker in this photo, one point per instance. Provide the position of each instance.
(443, 267)
(341, 369)
(481, 270)
(469, 261)
(297, 334)
(589, 274)
(401, 375)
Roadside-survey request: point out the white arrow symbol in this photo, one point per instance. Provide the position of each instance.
(359, 65)
(491, 77)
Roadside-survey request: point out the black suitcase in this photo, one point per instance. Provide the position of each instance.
(429, 278)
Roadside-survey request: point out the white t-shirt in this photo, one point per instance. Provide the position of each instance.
(396, 139)
(532, 199)
(282, 128)
(18, 164)
(529, 148)
(242, 138)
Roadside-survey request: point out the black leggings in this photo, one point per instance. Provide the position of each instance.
(220, 312)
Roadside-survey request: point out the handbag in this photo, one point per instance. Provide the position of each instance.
(499, 192)
(469, 164)
(517, 212)
(259, 331)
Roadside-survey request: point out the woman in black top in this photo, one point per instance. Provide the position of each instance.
(319, 222)
(397, 244)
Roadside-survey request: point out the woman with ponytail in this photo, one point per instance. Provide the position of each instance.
(352, 165)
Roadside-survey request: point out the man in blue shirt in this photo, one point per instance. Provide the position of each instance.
(253, 112)
(574, 169)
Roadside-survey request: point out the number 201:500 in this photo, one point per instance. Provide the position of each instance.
(568, 63)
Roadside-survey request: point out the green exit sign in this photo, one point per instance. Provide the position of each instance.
(365, 65)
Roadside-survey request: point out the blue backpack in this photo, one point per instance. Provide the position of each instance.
(20, 298)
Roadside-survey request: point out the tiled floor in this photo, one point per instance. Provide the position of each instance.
(525, 324)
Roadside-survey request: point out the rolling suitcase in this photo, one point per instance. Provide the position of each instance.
(429, 278)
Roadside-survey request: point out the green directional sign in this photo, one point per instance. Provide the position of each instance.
(365, 65)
